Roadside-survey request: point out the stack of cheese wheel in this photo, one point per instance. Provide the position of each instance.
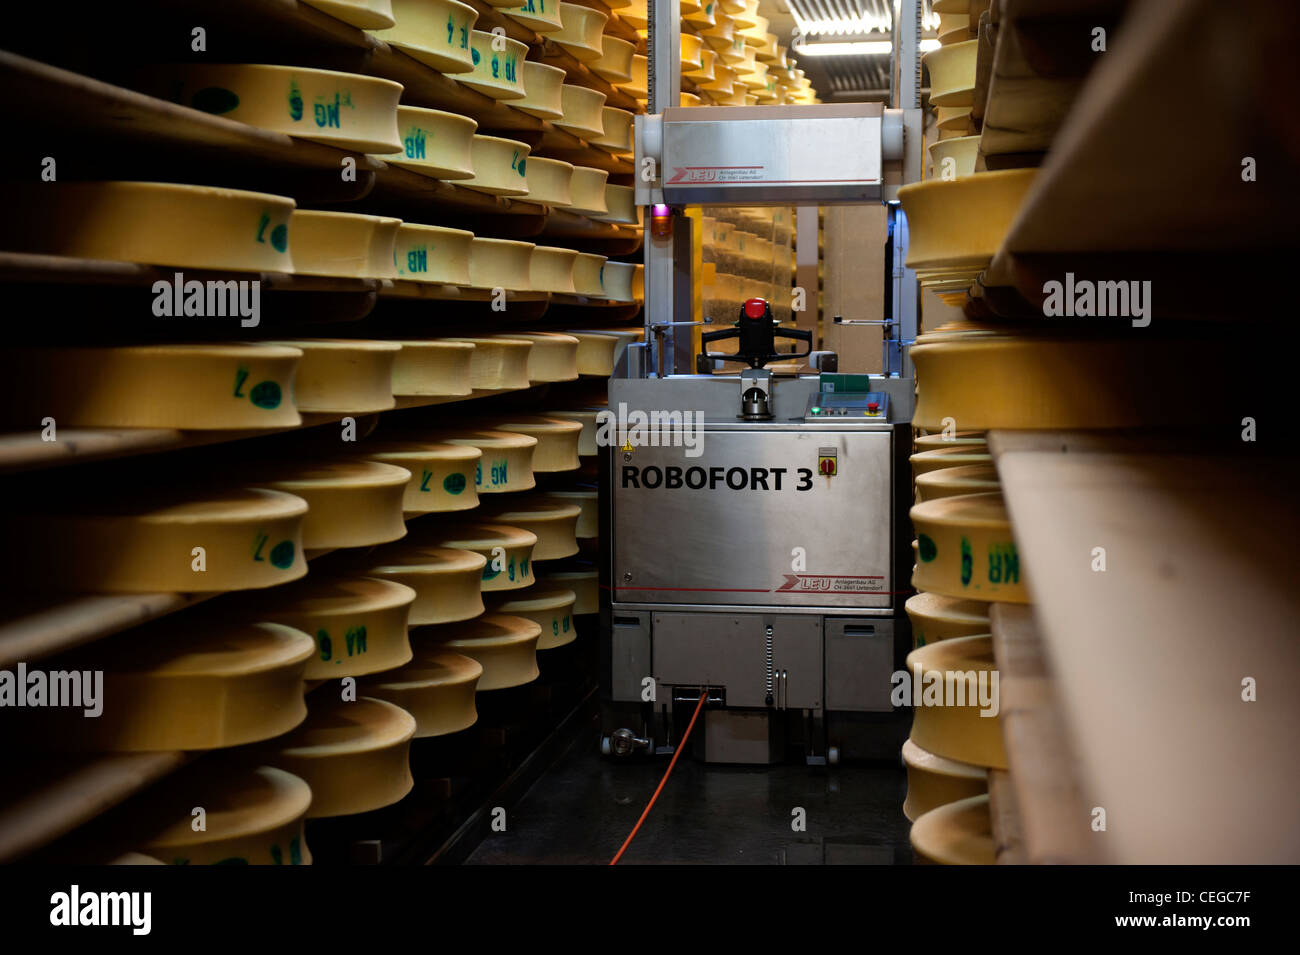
(557, 439)
(351, 502)
(354, 754)
(442, 475)
(553, 522)
(504, 645)
(508, 551)
(583, 581)
(359, 623)
(252, 815)
(499, 363)
(507, 457)
(184, 683)
(168, 542)
(437, 688)
(550, 607)
(446, 580)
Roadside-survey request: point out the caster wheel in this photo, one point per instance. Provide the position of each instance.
(833, 755)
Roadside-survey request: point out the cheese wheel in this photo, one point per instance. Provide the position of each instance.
(542, 97)
(497, 62)
(359, 623)
(621, 202)
(953, 117)
(500, 263)
(954, 158)
(351, 503)
(587, 446)
(249, 538)
(966, 549)
(596, 353)
(950, 456)
(616, 281)
(720, 34)
(615, 61)
(551, 270)
(445, 580)
(935, 781)
(580, 34)
(704, 72)
(557, 439)
(959, 833)
(637, 87)
(192, 387)
(690, 52)
(434, 32)
(355, 755)
(553, 357)
(960, 223)
(551, 608)
(953, 28)
(587, 192)
(427, 253)
(950, 482)
(584, 584)
(968, 439)
(635, 14)
(587, 279)
(509, 551)
(550, 181)
(688, 100)
(342, 375)
(947, 673)
(505, 646)
(582, 111)
(952, 73)
(435, 143)
(154, 223)
(703, 17)
(617, 134)
(936, 617)
(507, 462)
(442, 475)
(347, 110)
(588, 525)
(366, 14)
(252, 816)
(498, 364)
(343, 244)
(433, 366)
(554, 524)
(183, 684)
(436, 688)
(500, 167)
(543, 16)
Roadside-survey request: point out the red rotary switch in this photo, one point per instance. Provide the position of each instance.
(755, 308)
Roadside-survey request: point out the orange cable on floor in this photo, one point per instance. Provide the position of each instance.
(671, 763)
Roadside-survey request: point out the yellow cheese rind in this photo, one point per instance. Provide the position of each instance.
(184, 685)
(952, 73)
(615, 61)
(366, 14)
(557, 439)
(435, 143)
(582, 107)
(343, 244)
(154, 223)
(497, 66)
(351, 503)
(347, 110)
(421, 33)
(616, 281)
(587, 192)
(596, 352)
(580, 34)
(950, 482)
(969, 439)
(498, 363)
(959, 833)
(552, 522)
(550, 181)
(354, 754)
(342, 375)
(433, 366)
(250, 537)
(553, 357)
(542, 96)
(962, 150)
(252, 816)
(442, 475)
(617, 130)
(507, 462)
(359, 623)
(960, 223)
(551, 608)
(191, 387)
(543, 16)
(505, 646)
(965, 549)
(585, 585)
(621, 202)
(445, 580)
(636, 87)
(508, 550)
(587, 446)
(437, 688)
(949, 456)
(426, 253)
(935, 617)
(588, 525)
(550, 270)
(957, 732)
(500, 263)
(934, 781)
(500, 167)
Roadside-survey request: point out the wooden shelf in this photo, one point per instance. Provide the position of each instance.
(1149, 656)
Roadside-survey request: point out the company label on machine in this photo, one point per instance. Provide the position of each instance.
(831, 584)
(673, 477)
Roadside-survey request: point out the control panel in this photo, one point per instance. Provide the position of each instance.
(844, 404)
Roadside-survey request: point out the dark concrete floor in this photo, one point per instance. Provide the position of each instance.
(582, 809)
